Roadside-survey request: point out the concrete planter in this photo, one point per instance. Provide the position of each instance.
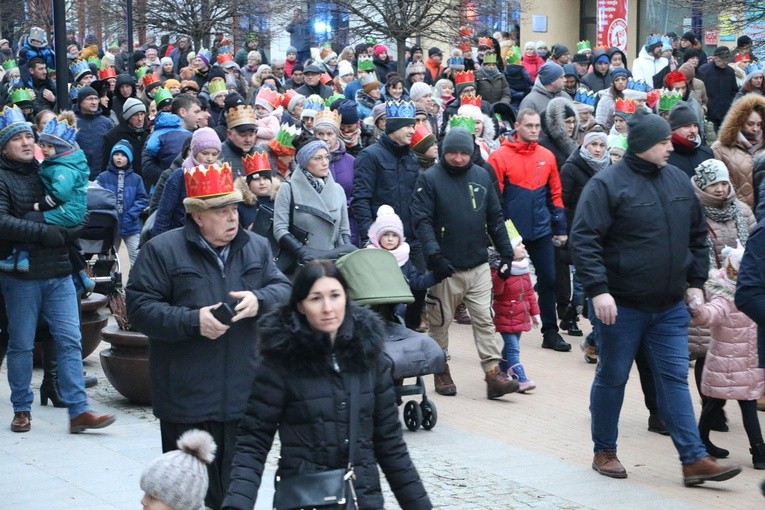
(126, 363)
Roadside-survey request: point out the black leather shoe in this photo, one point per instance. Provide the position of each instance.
(552, 340)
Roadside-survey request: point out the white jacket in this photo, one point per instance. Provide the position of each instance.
(645, 66)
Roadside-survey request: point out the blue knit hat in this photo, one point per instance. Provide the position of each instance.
(307, 151)
(12, 122)
(124, 147)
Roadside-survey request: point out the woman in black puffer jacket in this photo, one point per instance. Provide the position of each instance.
(299, 391)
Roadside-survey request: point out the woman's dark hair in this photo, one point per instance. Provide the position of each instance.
(616, 94)
(306, 277)
(393, 81)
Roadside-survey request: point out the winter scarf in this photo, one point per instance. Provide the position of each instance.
(352, 140)
(316, 182)
(723, 210)
(595, 164)
(754, 141)
(401, 252)
(338, 152)
(520, 267)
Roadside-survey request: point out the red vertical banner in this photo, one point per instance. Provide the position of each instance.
(612, 24)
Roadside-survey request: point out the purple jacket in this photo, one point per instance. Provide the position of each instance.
(341, 166)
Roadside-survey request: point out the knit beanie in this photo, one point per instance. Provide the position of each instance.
(689, 53)
(682, 115)
(204, 138)
(549, 72)
(329, 56)
(595, 135)
(379, 49)
(344, 68)
(165, 60)
(131, 107)
(307, 151)
(387, 221)
(378, 112)
(458, 140)
(646, 130)
(619, 71)
(179, 478)
(349, 112)
(296, 100)
(85, 92)
(419, 90)
(124, 147)
(291, 49)
(204, 57)
(559, 50)
(710, 172)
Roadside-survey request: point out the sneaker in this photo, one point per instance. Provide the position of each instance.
(708, 470)
(461, 315)
(552, 340)
(590, 352)
(607, 464)
(519, 373)
(444, 383)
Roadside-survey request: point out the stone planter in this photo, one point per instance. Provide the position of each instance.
(126, 363)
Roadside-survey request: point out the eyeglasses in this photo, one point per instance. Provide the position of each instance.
(570, 123)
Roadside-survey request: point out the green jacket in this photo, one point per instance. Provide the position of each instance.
(66, 189)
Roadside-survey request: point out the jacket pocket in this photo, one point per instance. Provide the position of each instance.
(186, 284)
(252, 276)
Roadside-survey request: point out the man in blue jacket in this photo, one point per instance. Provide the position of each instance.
(638, 241)
(93, 127)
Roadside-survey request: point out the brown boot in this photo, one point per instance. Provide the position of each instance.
(708, 470)
(461, 315)
(444, 383)
(761, 403)
(90, 420)
(498, 383)
(22, 421)
(607, 464)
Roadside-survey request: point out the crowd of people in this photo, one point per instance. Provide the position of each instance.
(630, 192)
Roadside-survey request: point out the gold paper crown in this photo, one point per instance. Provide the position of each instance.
(327, 116)
(241, 115)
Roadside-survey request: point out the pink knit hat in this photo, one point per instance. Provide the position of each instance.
(380, 48)
(204, 138)
(387, 221)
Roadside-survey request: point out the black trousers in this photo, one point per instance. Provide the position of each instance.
(713, 406)
(219, 471)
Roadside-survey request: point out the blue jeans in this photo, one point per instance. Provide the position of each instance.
(511, 352)
(664, 337)
(542, 255)
(55, 300)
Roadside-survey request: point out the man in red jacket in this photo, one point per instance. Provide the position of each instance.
(531, 197)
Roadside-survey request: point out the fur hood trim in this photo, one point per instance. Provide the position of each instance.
(248, 197)
(555, 123)
(736, 117)
(286, 338)
(718, 285)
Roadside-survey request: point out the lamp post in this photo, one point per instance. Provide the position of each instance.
(129, 28)
(59, 37)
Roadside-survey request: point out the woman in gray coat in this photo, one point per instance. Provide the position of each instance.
(319, 208)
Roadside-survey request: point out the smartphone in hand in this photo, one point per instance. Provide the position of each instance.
(225, 312)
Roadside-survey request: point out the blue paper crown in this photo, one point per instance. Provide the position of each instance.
(653, 39)
(666, 42)
(584, 96)
(61, 129)
(638, 85)
(313, 104)
(756, 66)
(456, 61)
(79, 67)
(205, 53)
(400, 109)
(73, 93)
(11, 115)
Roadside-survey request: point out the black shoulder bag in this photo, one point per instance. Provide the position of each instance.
(331, 489)
(285, 260)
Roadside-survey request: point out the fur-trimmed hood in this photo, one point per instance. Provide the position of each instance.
(286, 337)
(718, 285)
(736, 117)
(554, 124)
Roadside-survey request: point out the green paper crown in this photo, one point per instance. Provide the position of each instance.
(366, 64)
(331, 99)
(114, 44)
(490, 58)
(583, 45)
(514, 55)
(215, 86)
(464, 122)
(95, 61)
(668, 99)
(617, 140)
(162, 94)
(140, 72)
(286, 135)
(370, 40)
(20, 96)
(512, 232)
(11, 64)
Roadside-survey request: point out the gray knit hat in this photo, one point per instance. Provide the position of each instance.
(458, 140)
(131, 107)
(646, 130)
(710, 172)
(179, 478)
(682, 115)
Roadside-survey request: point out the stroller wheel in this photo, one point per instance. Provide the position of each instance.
(412, 415)
(429, 414)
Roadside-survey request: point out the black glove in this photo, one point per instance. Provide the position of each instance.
(290, 243)
(441, 267)
(52, 237)
(505, 266)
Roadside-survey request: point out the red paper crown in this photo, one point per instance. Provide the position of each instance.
(287, 97)
(325, 78)
(652, 97)
(485, 41)
(470, 99)
(109, 72)
(150, 78)
(256, 162)
(463, 77)
(420, 133)
(466, 31)
(208, 181)
(465, 46)
(225, 57)
(270, 96)
(625, 105)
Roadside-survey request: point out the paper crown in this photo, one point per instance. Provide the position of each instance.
(653, 39)
(417, 68)
(638, 85)
(462, 121)
(313, 104)
(73, 93)
(286, 135)
(204, 52)
(421, 132)
(269, 95)
(287, 97)
(366, 63)
(583, 45)
(162, 94)
(94, 61)
(369, 79)
(490, 58)
(224, 57)
(241, 115)
(400, 109)
(216, 86)
(11, 115)
(470, 99)
(625, 105)
(757, 66)
(61, 129)
(618, 141)
(463, 77)
(584, 96)
(325, 78)
(79, 68)
(456, 61)
(105, 74)
(466, 31)
(256, 162)
(652, 97)
(21, 96)
(150, 79)
(208, 181)
(9, 64)
(331, 99)
(514, 55)
(666, 43)
(486, 42)
(327, 116)
(668, 99)
(465, 46)
(140, 72)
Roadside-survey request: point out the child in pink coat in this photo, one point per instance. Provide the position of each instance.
(515, 308)
(731, 370)
(269, 112)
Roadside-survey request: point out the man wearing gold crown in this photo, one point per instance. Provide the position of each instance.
(202, 366)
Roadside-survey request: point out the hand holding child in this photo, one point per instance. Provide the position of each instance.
(536, 320)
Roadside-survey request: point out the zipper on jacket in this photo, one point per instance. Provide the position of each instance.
(335, 364)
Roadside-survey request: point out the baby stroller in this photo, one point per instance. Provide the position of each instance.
(97, 239)
(374, 279)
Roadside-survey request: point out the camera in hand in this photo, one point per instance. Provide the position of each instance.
(225, 312)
